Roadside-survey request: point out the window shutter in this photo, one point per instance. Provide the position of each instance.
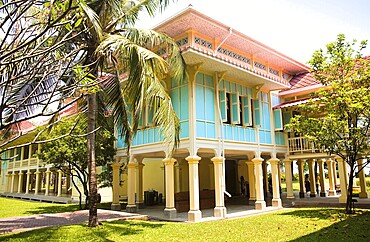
(247, 111)
(235, 108)
(150, 114)
(223, 107)
(257, 112)
(278, 120)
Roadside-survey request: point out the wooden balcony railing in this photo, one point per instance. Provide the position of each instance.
(300, 145)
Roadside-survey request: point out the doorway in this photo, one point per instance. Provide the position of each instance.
(231, 176)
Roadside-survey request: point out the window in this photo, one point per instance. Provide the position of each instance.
(235, 108)
(278, 120)
(256, 112)
(19, 152)
(147, 115)
(246, 111)
(26, 152)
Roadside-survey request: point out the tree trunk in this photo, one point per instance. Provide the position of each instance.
(79, 192)
(349, 204)
(92, 107)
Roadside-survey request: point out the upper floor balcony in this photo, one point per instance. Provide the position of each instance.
(26, 164)
(301, 147)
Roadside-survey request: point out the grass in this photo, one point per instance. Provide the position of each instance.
(23, 208)
(294, 224)
(26, 208)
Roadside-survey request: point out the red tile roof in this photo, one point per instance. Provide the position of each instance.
(292, 103)
(303, 80)
(25, 126)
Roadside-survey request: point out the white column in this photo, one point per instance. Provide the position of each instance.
(300, 164)
(131, 206)
(252, 181)
(322, 178)
(28, 181)
(47, 185)
(361, 175)
(220, 209)
(12, 183)
(288, 178)
(139, 183)
(20, 181)
(260, 203)
(115, 185)
(311, 164)
(194, 215)
(170, 210)
(343, 179)
(334, 164)
(329, 164)
(37, 182)
(276, 201)
(60, 183)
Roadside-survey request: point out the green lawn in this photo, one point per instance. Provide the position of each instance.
(296, 184)
(15, 207)
(295, 224)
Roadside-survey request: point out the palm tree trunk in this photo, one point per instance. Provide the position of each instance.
(92, 107)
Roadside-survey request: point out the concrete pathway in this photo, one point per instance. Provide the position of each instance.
(19, 224)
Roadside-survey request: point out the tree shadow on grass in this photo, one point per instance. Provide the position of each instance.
(352, 227)
(80, 232)
(64, 208)
(54, 209)
(319, 213)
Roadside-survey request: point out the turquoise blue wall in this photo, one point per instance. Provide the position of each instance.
(147, 136)
(239, 133)
(179, 95)
(180, 101)
(280, 138)
(205, 113)
(205, 106)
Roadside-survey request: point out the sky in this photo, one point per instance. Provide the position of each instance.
(295, 28)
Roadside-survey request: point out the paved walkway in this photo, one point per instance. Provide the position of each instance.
(19, 224)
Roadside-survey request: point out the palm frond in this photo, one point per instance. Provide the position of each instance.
(93, 18)
(151, 39)
(115, 100)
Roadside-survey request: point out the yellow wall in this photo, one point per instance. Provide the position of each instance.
(242, 171)
(153, 175)
(204, 174)
(123, 187)
(184, 177)
(105, 192)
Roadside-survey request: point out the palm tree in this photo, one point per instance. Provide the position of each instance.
(111, 44)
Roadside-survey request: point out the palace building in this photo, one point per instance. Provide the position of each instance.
(238, 95)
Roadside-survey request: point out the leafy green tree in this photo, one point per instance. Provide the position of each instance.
(69, 153)
(337, 117)
(104, 41)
